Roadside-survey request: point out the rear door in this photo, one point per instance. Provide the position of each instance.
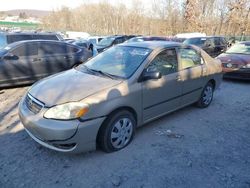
(162, 95)
(20, 66)
(191, 74)
(76, 55)
(54, 57)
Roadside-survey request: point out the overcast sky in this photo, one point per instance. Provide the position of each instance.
(51, 4)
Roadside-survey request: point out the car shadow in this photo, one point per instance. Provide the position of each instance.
(238, 81)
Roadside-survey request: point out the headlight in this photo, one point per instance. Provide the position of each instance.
(247, 66)
(67, 111)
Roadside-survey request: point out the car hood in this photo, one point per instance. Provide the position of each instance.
(234, 58)
(69, 86)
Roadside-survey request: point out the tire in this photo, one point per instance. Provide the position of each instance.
(113, 136)
(206, 96)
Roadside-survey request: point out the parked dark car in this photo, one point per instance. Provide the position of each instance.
(236, 61)
(213, 45)
(8, 38)
(110, 41)
(25, 62)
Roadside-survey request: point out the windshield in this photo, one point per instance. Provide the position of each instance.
(118, 61)
(195, 41)
(106, 41)
(3, 41)
(239, 49)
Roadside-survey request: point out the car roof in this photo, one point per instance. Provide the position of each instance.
(28, 33)
(30, 41)
(153, 44)
(206, 37)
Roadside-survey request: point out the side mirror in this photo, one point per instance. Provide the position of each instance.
(151, 75)
(11, 56)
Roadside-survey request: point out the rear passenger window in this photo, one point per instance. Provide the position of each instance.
(119, 40)
(223, 41)
(189, 58)
(72, 49)
(217, 41)
(44, 37)
(165, 62)
(29, 49)
(16, 38)
(52, 49)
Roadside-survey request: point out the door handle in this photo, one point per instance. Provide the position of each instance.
(36, 59)
(68, 57)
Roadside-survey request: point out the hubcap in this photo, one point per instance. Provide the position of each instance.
(207, 95)
(121, 133)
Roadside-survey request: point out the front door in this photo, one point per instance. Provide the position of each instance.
(163, 95)
(19, 64)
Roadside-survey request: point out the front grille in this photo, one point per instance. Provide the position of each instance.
(33, 104)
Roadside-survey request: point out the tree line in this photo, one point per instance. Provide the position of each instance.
(161, 17)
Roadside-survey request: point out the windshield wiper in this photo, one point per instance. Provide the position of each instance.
(104, 73)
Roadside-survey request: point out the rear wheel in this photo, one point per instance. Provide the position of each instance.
(117, 131)
(206, 96)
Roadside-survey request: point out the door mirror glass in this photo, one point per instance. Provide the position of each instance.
(151, 74)
(11, 56)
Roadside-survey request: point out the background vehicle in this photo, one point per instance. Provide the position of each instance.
(236, 61)
(110, 41)
(27, 61)
(83, 43)
(213, 45)
(115, 92)
(7, 38)
(95, 39)
(147, 38)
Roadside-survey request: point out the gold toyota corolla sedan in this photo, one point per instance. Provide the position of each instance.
(104, 100)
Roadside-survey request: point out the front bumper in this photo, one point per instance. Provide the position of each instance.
(242, 74)
(66, 136)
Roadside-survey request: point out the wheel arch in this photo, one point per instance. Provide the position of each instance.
(213, 82)
(126, 108)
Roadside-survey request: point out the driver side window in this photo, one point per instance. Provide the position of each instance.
(165, 62)
(27, 49)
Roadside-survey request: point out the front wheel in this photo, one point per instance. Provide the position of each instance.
(117, 131)
(206, 96)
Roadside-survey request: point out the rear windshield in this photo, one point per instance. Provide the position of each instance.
(3, 41)
(195, 41)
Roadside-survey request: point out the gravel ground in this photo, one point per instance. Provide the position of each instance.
(189, 148)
